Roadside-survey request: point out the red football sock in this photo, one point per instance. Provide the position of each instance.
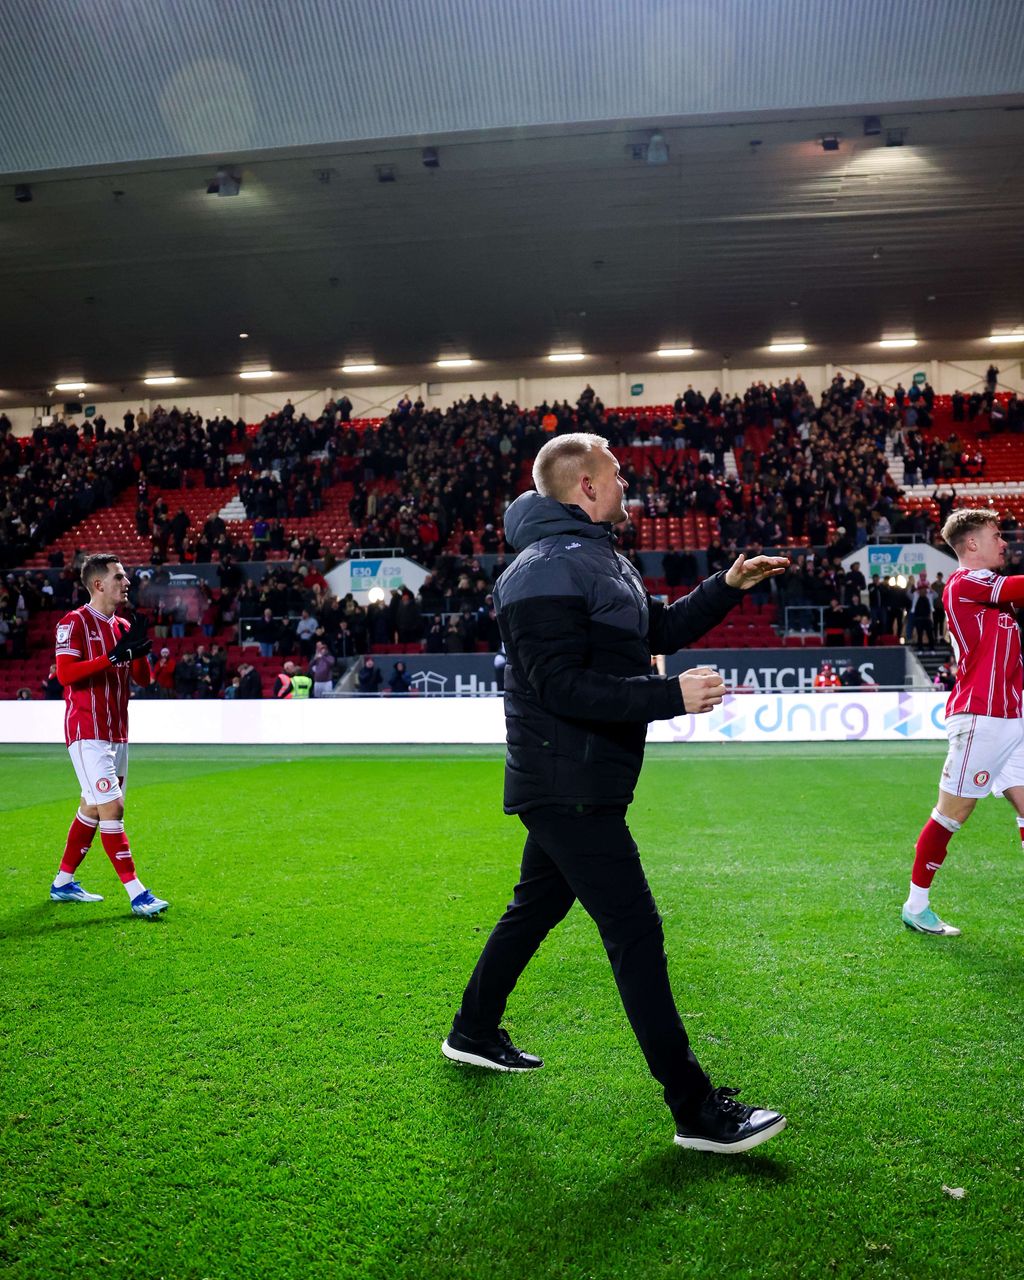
(79, 839)
(115, 842)
(931, 848)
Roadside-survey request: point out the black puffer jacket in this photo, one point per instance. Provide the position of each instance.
(579, 630)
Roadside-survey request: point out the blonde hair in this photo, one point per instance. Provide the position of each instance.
(561, 461)
(967, 520)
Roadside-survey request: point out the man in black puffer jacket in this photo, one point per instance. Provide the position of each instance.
(579, 631)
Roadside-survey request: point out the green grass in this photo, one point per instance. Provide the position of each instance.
(252, 1086)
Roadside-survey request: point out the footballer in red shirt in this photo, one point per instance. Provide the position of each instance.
(97, 650)
(983, 711)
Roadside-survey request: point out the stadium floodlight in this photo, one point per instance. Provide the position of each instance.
(256, 373)
(674, 351)
(70, 386)
(892, 344)
(564, 357)
(166, 380)
(360, 368)
(455, 362)
(782, 348)
(1006, 337)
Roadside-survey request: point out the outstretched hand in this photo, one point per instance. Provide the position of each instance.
(745, 573)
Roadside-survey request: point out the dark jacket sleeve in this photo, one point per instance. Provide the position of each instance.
(547, 637)
(674, 626)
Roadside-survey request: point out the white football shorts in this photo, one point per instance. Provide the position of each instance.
(102, 769)
(986, 753)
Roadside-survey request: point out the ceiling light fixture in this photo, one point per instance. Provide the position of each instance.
(891, 344)
(784, 347)
(563, 357)
(359, 368)
(657, 148)
(243, 335)
(674, 351)
(70, 386)
(224, 183)
(23, 193)
(830, 142)
(165, 380)
(456, 362)
(1006, 337)
(257, 373)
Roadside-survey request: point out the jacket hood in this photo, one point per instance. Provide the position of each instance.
(532, 517)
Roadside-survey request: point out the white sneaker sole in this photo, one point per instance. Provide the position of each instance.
(947, 930)
(93, 897)
(731, 1148)
(474, 1060)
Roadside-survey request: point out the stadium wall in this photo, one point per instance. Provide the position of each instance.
(835, 716)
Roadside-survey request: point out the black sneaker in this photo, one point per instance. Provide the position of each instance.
(496, 1052)
(726, 1126)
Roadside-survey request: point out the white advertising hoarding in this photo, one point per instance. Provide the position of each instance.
(833, 716)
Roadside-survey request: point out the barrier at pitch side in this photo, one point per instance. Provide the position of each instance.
(837, 716)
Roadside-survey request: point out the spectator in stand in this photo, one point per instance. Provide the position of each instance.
(164, 667)
(920, 628)
(53, 690)
(369, 679)
(321, 669)
(305, 633)
(850, 676)
(266, 632)
(216, 667)
(399, 681)
(186, 676)
(282, 687)
(945, 678)
(825, 678)
(249, 684)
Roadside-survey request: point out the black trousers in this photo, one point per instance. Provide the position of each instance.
(590, 855)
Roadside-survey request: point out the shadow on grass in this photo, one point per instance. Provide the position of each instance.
(514, 1195)
(37, 921)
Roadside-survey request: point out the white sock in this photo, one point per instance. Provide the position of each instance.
(918, 899)
(1020, 822)
(63, 878)
(135, 887)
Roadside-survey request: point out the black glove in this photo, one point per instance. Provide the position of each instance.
(133, 644)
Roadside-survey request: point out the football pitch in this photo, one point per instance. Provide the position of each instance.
(252, 1086)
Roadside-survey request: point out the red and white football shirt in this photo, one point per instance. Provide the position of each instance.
(96, 708)
(986, 644)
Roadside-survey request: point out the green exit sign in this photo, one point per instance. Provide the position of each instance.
(637, 389)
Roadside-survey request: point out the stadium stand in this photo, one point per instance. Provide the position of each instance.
(707, 475)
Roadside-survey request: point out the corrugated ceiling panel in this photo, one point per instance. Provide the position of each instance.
(94, 82)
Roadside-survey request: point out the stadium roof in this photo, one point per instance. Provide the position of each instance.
(544, 225)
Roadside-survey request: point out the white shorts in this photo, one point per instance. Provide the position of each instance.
(102, 769)
(986, 753)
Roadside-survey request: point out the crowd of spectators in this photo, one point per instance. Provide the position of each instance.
(808, 468)
(62, 473)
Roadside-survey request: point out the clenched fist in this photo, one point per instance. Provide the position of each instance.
(703, 688)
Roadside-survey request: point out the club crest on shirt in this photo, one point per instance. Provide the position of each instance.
(103, 784)
(981, 777)
(64, 633)
(1007, 621)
